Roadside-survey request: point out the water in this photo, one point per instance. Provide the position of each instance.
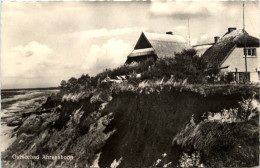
(13, 104)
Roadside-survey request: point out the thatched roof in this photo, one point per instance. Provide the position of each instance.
(162, 45)
(218, 53)
(165, 45)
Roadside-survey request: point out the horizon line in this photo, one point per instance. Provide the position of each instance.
(36, 88)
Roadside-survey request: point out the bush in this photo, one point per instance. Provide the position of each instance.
(76, 85)
(185, 65)
(126, 70)
(229, 138)
(227, 77)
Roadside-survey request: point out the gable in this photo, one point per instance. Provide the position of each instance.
(236, 61)
(142, 42)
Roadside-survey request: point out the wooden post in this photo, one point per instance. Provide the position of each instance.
(236, 77)
(246, 68)
(245, 49)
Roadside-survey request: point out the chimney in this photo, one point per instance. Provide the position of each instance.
(230, 29)
(169, 33)
(216, 39)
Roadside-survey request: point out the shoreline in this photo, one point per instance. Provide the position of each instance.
(14, 113)
(7, 136)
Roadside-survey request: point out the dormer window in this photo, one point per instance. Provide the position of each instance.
(251, 52)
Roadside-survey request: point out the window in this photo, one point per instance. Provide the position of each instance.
(250, 51)
(254, 51)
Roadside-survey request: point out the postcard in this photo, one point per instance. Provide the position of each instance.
(130, 84)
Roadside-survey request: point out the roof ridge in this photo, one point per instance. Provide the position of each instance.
(168, 41)
(164, 37)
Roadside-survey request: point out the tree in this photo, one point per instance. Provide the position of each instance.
(188, 65)
(71, 83)
(84, 79)
(63, 84)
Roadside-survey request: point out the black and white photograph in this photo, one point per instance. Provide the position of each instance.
(115, 84)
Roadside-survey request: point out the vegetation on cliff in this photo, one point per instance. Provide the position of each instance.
(185, 66)
(229, 138)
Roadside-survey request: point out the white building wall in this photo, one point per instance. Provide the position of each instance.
(254, 77)
(237, 60)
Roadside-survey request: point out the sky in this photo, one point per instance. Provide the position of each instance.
(43, 43)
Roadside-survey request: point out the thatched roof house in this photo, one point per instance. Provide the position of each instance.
(154, 45)
(228, 52)
(218, 53)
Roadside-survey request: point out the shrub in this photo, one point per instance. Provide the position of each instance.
(220, 134)
(227, 77)
(76, 85)
(192, 160)
(185, 65)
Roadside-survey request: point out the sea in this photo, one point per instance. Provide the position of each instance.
(13, 104)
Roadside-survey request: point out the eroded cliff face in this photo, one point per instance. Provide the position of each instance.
(147, 123)
(132, 128)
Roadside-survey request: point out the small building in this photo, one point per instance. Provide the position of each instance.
(228, 54)
(154, 45)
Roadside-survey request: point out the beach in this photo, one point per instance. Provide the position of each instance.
(13, 105)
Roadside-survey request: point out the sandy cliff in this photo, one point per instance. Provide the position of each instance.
(163, 127)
